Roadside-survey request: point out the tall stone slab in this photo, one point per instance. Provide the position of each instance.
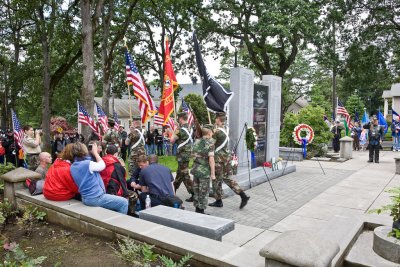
(240, 109)
(274, 84)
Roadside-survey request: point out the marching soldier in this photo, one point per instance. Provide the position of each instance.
(203, 168)
(111, 136)
(136, 140)
(222, 164)
(183, 138)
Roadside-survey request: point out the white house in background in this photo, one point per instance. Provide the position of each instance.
(297, 105)
(392, 95)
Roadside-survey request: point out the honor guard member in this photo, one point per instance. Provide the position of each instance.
(136, 140)
(375, 136)
(183, 138)
(111, 136)
(222, 163)
(203, 168)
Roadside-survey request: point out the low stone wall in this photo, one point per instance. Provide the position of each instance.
(291, 153)
(109, 224)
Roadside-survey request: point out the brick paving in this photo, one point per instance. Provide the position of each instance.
(292, 190)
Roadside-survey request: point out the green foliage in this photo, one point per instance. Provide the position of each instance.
(137, 254)
(148, 254)
(198, 106)
(250, 139)
(355, 103)
(128, 250)
(171, 163)
(393, 208)
(30, 216)
(7, 211)
(17, 257)
(4, 168)
(313, 116)
(168, 262)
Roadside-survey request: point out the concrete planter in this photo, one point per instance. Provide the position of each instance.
(386, 246)
(291, 153)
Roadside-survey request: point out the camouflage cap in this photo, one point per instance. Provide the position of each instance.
(374, 118)
(208, 126)
(220, 114)
(111, 120)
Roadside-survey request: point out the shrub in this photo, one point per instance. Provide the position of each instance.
(313, 116)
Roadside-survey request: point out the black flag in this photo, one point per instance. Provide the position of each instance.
(215, 95)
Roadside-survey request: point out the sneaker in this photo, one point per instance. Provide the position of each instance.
(217, 204)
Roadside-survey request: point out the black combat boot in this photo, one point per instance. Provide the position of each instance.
(199, 210)
(218, 203)
(244, 198)
(190, 199)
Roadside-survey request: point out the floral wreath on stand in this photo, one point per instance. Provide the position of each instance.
(251, 139)
(303, 141)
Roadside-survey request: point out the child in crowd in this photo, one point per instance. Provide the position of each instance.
(363, 139)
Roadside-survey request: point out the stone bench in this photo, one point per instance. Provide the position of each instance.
(299, 248)
(191, 222)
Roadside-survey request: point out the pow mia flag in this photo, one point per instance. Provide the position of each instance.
(215, 95)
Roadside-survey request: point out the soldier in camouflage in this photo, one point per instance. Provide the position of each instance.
(222, 164)
(111, 136)
(203, 168)
(183, 138)
(136, 140)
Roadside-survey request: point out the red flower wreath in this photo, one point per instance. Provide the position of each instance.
(303, 128)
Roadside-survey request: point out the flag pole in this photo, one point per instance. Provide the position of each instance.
(209, 117)
(79, 125)
(129, 93)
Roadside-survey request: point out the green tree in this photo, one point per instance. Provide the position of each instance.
(355, 104)
(312, 116)
(198, 106)
(272, 32)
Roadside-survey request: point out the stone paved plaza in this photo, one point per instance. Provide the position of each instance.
(309, 200)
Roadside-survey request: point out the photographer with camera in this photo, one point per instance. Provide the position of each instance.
(31, 146)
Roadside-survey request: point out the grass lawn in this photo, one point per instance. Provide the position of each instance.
(168, 161)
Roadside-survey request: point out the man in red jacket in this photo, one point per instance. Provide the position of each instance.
(114, 174)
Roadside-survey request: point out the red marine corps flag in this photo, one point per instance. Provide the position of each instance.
(167, 105)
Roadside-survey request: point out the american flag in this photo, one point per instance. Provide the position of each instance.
(101, 117)
(146, 103)
(116, 126)
(159, 120)
(18, 131)
(84, 118)
(341, 110)
(185, 108)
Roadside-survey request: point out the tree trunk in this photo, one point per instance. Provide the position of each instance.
(46, 93)
(87, 94)
(106, 18)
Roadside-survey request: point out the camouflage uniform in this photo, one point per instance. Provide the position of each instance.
(202, 149)
(111, 137)
(136, 151)
(222, 165)
(183, 157)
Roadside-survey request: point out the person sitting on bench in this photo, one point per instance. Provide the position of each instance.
(156, 181)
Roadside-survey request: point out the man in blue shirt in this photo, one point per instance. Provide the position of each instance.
(156, 181)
